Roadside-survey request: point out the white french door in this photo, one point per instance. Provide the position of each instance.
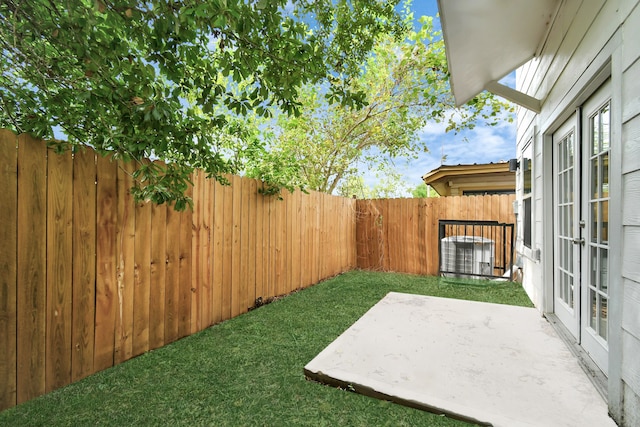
(567, 230)
(581, 223)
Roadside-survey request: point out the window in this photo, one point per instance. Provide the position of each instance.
(526, 174)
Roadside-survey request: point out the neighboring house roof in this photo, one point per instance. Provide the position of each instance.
(453, 180)
(488, 39)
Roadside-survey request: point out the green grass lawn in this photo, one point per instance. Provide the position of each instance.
(248, 371)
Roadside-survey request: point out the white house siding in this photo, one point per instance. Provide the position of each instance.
(589, 36)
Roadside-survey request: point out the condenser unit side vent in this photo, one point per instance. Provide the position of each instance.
(467, 256)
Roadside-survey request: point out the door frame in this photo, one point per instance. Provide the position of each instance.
(577, 319)
(608, 63)
(550, 120)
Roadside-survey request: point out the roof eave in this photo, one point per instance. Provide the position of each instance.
(488, 39)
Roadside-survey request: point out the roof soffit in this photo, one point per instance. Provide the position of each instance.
(488, 39)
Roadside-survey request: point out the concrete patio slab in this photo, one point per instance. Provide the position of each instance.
(486, 363)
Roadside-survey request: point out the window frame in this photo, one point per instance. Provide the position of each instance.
(527, 182)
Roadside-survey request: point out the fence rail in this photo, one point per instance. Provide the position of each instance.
(89, 278)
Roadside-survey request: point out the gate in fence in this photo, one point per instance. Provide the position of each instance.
(475, 249)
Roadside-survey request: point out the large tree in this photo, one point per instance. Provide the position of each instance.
(389, 185)
(406, 85)
(153, 78)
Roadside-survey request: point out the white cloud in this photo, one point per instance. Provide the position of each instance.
(432, 129)
(483, 144)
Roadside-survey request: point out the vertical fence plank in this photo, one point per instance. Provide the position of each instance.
(422, 235)
(322, 235)
(296, 255)
(227, 262)
(362, 246)
(236, 267)
(243, 288)
(352, 238)
(431, 242)
(253, 232)
(218, 253)
(337, 228)
(260, 253)
(386, 255)
(206, 277)
(106, 286)
(59, 274)
(487, 208)
(32, 267)
(273, 244)
(184, 305)
(341, 234)
(294, 241)
(375, 232)
(314, 238)
(403, 235)
(84, 263)
(125, 249)
(172, 277)
(281, 244)
(267, 287)
(157, 275)
(196, 248)
(415, 236)
(142, 278)
(442, 214)
(275, 216)
(287, 241)
(332, 223)
(305, 273)
(396, 249)
(8, 268)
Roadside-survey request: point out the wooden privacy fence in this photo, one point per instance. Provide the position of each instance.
(402, 234)
(89, 279)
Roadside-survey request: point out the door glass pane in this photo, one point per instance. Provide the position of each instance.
(602, 327)
(570, 221)
(593, 264)
(570, 257)
(570, 151)
(604, 270)
(561, 224)
(594, 222)
(594, 178)
(605, 117)
(595, 134)
(604, 179)
(604, 231)
(593, 308)
(570, 290)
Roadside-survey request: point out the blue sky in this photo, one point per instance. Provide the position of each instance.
(483, 144)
